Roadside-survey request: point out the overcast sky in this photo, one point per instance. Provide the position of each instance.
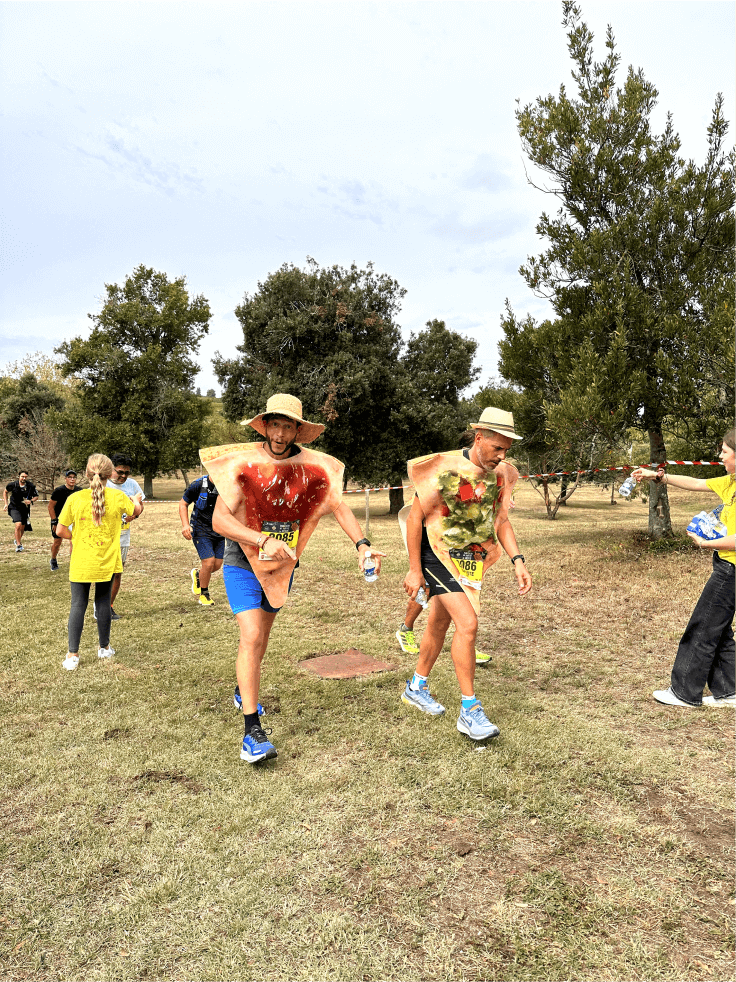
(219, 141)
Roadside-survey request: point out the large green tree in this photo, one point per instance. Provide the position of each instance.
(331, 336)
(639, 259)
(134, 375)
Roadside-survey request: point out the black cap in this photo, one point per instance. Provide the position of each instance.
(67, 473)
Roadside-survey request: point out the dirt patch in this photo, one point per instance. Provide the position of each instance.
(169, 777)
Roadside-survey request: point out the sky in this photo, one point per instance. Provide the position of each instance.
(221, 141)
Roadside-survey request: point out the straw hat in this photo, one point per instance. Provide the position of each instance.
(498, 421)
(282, 404)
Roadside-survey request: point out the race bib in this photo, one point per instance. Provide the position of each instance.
(287, 532)
(469, 566)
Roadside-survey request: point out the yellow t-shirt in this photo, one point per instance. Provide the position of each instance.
(96, 553)
(724, 487)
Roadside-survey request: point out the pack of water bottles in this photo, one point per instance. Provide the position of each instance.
(708, 524)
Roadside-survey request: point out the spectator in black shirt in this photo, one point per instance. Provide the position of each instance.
(18, 497)
(56, 503)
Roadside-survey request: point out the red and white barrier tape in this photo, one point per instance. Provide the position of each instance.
(525, 477)
(627, 467)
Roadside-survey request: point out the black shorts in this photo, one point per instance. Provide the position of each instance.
(439, 578)
(18, 515)
(54, 523)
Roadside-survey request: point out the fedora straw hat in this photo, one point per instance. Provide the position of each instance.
(282, 404)
(497, 420)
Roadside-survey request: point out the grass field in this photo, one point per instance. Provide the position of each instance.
(593, 841)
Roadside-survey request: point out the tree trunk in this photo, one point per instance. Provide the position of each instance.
(613, 489)
(563, 491)
(395, 500)
(185, 476)
(148, 485)
(660, 523)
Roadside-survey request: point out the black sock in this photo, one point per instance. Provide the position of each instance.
(251, 719)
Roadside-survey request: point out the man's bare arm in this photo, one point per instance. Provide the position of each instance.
(414, 579)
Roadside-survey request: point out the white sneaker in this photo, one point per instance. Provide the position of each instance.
(70, 662)
(107, 652)
(668, 697)
(723, 701)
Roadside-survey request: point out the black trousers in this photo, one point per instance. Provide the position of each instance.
(706, 650)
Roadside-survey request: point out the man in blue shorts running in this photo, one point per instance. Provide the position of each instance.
(271, 497)
(210, 546)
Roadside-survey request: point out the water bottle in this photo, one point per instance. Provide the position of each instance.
(369, 567)
(708, 525)
(422, 598)
(628, 486)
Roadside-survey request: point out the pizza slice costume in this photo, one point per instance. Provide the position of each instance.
(284, 498)
(463, 507)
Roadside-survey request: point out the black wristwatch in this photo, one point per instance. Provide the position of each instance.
(518, 556)
(362, 542)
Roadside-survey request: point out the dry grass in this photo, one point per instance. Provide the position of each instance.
(593, 840)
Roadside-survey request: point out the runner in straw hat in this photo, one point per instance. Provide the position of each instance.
(271, 497)
(457, 528)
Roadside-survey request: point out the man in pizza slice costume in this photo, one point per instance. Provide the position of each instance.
(457, 528)
(271, 497)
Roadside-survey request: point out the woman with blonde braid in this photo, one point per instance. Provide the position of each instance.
(91, 519)
(706, 653)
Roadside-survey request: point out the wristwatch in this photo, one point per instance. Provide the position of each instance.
(362, 542)
(518, 556)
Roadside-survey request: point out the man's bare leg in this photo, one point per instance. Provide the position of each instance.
(255, 629)
(116, 579)
(207, 568)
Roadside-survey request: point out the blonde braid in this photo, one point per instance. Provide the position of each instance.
(99, 469)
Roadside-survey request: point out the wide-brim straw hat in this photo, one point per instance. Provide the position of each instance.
(282, 404)
(497, 420)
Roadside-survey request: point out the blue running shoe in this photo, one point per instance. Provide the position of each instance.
(423, 699)
(475, 724)
(257, 746)
(238, 702)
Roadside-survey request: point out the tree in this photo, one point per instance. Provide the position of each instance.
(330, 336)
(23, 401)
(27, 397)
(135, 373)
(39, 448)
(640, 251)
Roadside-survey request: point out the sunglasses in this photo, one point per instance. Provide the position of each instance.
(122, 473)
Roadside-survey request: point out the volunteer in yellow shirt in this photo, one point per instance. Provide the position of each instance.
(706, 650)
(91, 519)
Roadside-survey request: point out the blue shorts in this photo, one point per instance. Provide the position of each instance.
(208, 546)
(244, 592)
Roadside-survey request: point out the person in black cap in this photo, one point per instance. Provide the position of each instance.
(18, 497)
(56, 503)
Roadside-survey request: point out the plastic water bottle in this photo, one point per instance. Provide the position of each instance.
(628, 486)
(708, 525)
(369, 567)
(422, 598)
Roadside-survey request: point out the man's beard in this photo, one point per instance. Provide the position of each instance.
(286, 452)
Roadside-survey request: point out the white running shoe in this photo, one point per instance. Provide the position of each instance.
(107, 652)
(668, 698)
(70, 662)
(723, 701)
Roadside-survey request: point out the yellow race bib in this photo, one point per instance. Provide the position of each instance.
(469, 566)
(287, 532)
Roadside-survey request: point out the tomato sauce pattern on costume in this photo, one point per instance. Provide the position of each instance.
(284, 493)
